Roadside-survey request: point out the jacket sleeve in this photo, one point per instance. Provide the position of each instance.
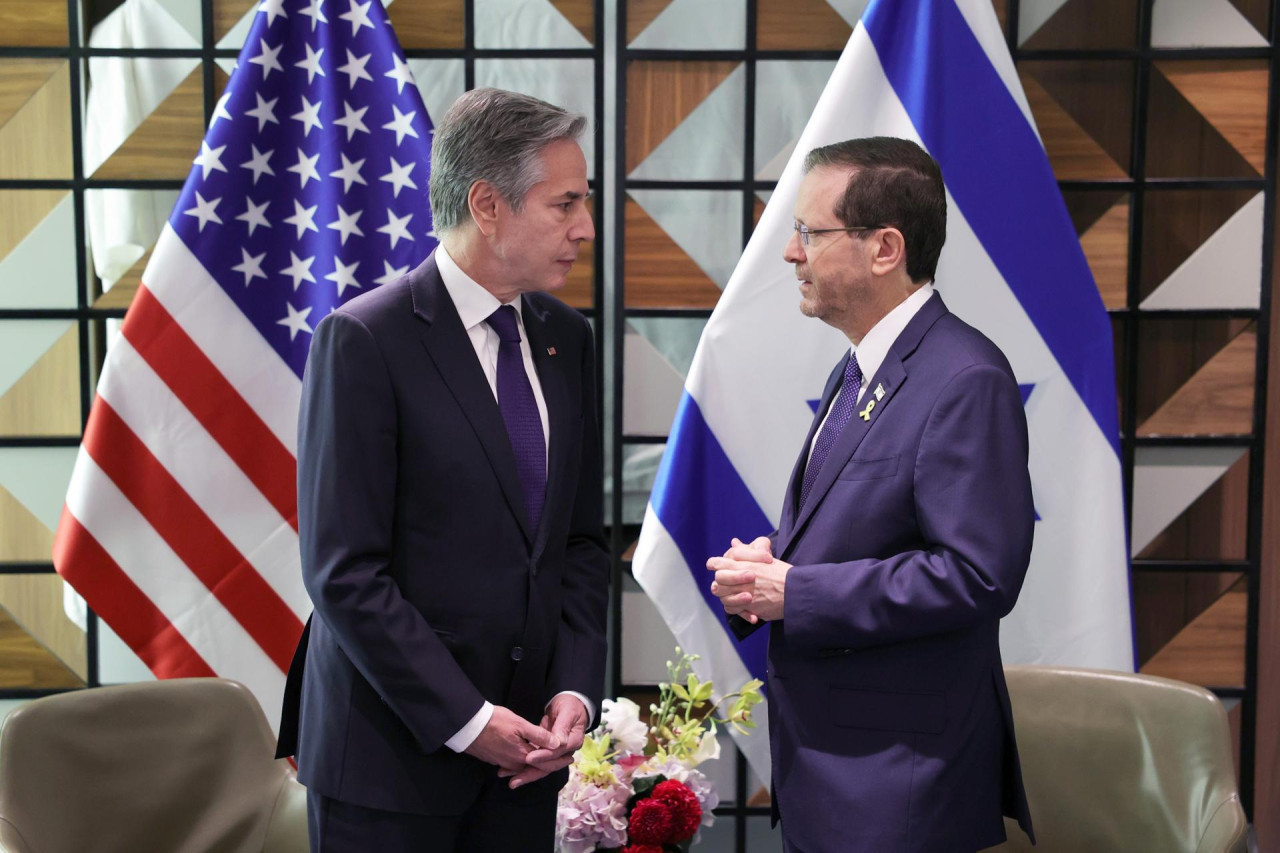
(347, 439)
(581, 643)
(974, 510)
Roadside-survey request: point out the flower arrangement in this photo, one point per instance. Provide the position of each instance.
(634, 786)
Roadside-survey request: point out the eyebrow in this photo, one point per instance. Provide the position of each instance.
(574, 196)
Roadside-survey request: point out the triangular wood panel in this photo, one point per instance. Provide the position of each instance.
(419, 24)
(1181, 143)
(226, 14)
(1088, 24)
(800, 25)
(1177, 222)
(1213, 527)
(1217, 399)
(1256, 12)
(46, 399)
(641, 13)
(661, 95)
(1232, 96)
(24, 662)
(21, 212)
(126, 287)
(20, 79)
(42, 24)
(36, 603)
(1106, 247)
(22, 537)
(580, 13)
(1209, 651)
(659, 274)
(36, 140)
(1073, 153)
(166, 141)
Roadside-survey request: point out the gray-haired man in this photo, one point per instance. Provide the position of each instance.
(450, 512)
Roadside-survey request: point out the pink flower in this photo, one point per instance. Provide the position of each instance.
(590, 816)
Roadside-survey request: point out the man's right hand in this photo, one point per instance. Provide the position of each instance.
(508, 738)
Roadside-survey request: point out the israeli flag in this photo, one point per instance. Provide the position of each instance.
(937, 72)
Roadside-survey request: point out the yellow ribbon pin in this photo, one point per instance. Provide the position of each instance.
(865, 414)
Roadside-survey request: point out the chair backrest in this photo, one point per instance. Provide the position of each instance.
(180, 765)
(1121, 762)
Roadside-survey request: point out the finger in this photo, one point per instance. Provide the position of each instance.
(539, 737)
(749, 554)
(720, 590)
(763, 543)
(532, 775)
(732, 576)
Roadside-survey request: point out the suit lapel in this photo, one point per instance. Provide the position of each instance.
(554, 392)
(792, 498)
(450, 349)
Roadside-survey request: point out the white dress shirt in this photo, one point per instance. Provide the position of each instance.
(875, 344)
(474, 305)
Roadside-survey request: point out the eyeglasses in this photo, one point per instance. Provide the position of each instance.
(804, 230)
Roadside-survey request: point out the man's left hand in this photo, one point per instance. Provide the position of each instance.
(750, 582)
(567, 719)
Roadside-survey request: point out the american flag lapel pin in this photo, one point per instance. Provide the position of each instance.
(551, 350)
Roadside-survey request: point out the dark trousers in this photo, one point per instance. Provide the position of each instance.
(499, 820)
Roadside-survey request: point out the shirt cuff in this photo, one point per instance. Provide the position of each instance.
(468, 733)
(586, 703)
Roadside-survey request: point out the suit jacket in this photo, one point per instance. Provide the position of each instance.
(432, 592)
(890, 724)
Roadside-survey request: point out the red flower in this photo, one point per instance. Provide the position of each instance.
(642, 848)
(686, 812)
(651, 822)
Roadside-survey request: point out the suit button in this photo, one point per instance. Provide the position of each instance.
(517, 653)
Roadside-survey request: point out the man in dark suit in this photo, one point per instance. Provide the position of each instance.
(905, 536)
(449, 492)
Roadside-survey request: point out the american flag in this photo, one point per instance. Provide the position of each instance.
(180, 527)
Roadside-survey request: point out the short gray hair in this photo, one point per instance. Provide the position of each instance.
(495, 136)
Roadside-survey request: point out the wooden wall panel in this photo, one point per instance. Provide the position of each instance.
(1176, 223)
(34, 602)
(46, 399)
(21, 211)
(33, 23)
(35, 141)
(580, 13)
(1217, 399)
(22, 537)
(1214, 527)
(1182, 143)
(658, 272)
(1209, 651)
(1088, 24)
(166, 141)
(426, 24)
(1232, 97)
(660, 95)
(1097, 96)
(226, 14)
(640, 14)
(24, 662)
(800, 25)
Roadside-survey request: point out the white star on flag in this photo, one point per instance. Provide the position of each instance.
(303, 218)
(258, 163)
(264, 112)
(400, 73)
(344, 275)
(399, 178)
(305, 168)
(254, 215)
(311, 64)
(401, 124)
(209, 159)
(390, 273)
(273, 9)
(315, 14)
(358, 15)
(296, 320)
(355, 69)
(220, 110)
(250, 266)
(397, 227)
(350, 173)
(346, 226)
(204, 211)
(268, 59)
(309, 115)
(353, 120)
(299, 270)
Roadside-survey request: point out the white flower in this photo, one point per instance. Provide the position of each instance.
(708, 749)
(622, 719)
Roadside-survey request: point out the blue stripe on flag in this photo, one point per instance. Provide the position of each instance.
(703, 503)
(1001, 180)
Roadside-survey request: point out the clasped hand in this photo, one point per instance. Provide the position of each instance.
(524, 752)
(749, 581)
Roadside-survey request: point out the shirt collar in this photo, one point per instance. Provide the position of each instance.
(473, 302)
(875, 344)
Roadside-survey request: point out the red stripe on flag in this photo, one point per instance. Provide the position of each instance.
(197, 541)
(113, 595)
(214, 401)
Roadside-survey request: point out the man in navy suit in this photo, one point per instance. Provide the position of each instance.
(449, 493)
(905, 536)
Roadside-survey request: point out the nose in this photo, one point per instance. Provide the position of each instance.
(583, 226)
(793, 252)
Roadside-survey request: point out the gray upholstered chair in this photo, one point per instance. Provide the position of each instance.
(172, 766)
(1118, 762)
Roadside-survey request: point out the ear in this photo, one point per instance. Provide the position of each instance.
(890, 252)
(483, 200)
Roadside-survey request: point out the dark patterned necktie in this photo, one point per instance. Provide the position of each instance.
(837, 420)
(520, 413)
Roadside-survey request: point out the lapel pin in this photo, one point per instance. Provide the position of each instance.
(551, 350)
(879, 391)
(865, 414)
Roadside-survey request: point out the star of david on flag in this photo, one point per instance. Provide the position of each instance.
(310, 187)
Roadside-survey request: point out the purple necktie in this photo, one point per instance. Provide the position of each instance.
(520, 412)
(837, 419)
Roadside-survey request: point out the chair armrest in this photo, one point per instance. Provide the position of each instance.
(287, 828)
